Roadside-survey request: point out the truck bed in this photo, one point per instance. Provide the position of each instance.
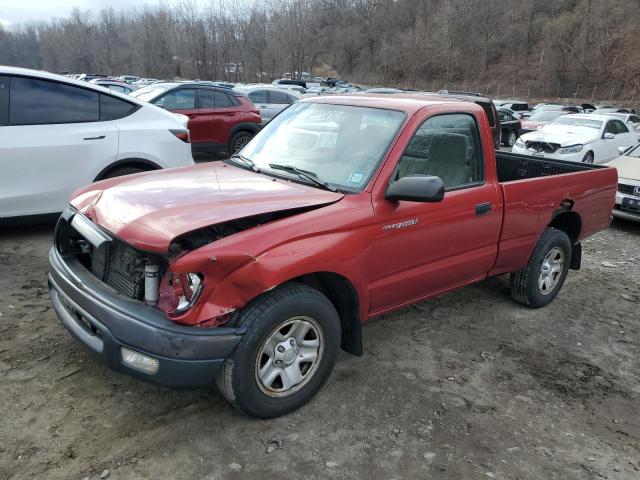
(514, 166)
(549, 186)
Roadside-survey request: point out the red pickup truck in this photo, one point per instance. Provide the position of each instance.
(254, 272)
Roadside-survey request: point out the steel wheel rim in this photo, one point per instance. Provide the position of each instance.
(551, 271)
(289, 357)
(512, 139)
(241, 142)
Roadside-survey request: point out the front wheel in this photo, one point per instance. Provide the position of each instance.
(588, 157)
(286, 355)
(538, 283)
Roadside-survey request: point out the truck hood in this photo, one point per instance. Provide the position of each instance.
(562, 135)
(149, 210)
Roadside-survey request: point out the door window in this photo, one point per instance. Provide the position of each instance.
(446, 146)
(183, 99)
(258, 96)
(279, 98)
(207, 99)
(38, 102)
(4, 100)
(222, 100)
(620, 127)
(634, 119)
(610, 128)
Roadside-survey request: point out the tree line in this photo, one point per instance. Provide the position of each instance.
(566, 47)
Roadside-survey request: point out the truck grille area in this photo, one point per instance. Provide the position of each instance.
(115, 263)
(542, 147)
(121, 267)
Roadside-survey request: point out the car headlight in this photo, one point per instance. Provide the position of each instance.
(181, 292)
(520, 143)
(571, 149)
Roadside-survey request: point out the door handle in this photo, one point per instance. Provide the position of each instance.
(483, 209)
(94, 138)
(191, 115)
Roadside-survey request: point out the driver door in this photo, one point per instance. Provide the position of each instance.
(425, 248)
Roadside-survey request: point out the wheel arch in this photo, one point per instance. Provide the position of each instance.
(344, 297)
(569, 222)
(141, 163)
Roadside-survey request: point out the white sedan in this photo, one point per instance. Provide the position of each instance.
(586, 138)
(58, 134)
(628, 195)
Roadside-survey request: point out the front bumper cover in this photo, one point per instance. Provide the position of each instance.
(104, 321)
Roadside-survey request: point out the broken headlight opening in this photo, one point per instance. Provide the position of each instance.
(181, 292)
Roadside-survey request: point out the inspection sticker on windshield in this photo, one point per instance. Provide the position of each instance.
(356, 177)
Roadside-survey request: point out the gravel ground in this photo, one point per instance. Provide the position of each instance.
(470, 385)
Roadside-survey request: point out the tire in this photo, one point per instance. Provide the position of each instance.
(588, 157)
(511, 138)
(269, 320)
(238, 141)
(120, 171)
(538, 283)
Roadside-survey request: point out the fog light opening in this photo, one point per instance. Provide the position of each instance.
(139, 361)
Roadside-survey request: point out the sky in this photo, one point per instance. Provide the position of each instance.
(18, 11)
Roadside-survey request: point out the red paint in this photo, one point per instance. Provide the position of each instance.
(447, 248)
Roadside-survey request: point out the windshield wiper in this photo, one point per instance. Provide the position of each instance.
(244, 161)
(306, 174)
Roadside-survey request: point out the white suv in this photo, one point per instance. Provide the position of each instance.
(58, 134)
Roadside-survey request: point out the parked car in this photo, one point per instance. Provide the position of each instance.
(87, 77)
(586, 137)
(488, 107)
(510, 126)
(129, 78)
(269, 100)
(115, 85)
(518, 106)
(555, 107)
(220, 120)
(539, 119)
(253, 273)
(610, 109)
(630, 119)
(627, 204)
(58, 134)
(143, 82)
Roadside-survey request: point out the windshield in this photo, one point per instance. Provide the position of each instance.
(147, 94)
(545, 116)
(338, 144)
(578, 122)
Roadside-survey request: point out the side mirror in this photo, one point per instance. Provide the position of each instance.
(609, 136)
(416, 188)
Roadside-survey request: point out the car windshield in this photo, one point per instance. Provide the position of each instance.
(578, 122)
(146, 94)
(545, 116)
(339, 145)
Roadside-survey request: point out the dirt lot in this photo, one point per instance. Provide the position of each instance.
(467, 386)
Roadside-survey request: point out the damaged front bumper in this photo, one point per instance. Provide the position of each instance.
(106, 322)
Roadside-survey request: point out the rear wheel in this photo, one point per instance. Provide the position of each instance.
(537, 284)
(588, 157)
(238, 141)
(286, 355)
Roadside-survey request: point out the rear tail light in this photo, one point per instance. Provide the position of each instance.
(182, 135)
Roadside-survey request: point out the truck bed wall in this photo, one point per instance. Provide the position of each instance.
(513, 166)
(531, 203)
